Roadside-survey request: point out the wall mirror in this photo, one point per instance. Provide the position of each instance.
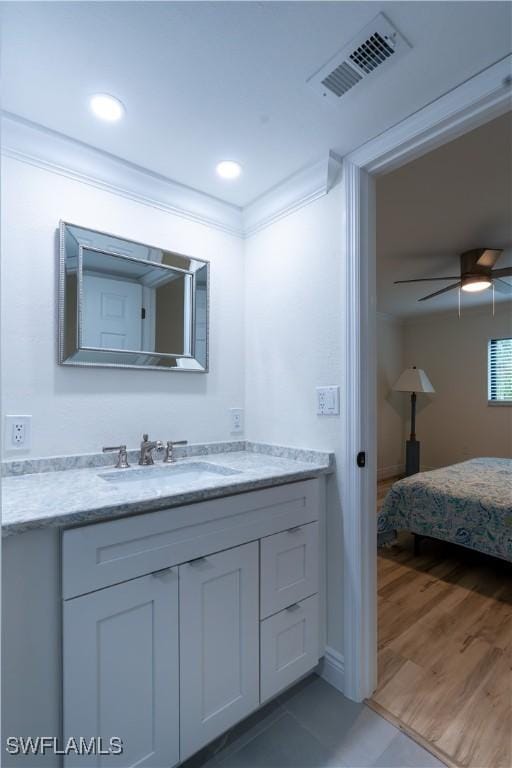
(124, 304)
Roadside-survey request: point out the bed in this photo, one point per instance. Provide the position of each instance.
(468, 504)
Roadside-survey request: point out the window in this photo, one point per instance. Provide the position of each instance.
(500, 371)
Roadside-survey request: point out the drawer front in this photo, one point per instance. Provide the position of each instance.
(289, 568)
(102, 554)
(289, 646)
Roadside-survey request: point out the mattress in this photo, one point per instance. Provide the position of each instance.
(468, 504)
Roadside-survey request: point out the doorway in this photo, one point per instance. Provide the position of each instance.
(475, 102)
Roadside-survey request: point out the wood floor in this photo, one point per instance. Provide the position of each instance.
(445, 649)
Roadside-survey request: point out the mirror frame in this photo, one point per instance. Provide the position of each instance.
(63, 360)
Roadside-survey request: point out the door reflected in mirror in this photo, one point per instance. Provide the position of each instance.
(123, 303)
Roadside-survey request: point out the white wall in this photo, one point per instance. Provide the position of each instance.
(293, 299)
(79, 410)
(391, 406)
(456, 423)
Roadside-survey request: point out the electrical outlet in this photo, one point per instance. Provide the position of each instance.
(17, 433)
(328, 401)
(236, 419)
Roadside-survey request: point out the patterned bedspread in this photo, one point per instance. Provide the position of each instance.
(468, 503)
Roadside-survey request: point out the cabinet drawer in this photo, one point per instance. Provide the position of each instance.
(289, 646)
(98, 555)
(289, 568)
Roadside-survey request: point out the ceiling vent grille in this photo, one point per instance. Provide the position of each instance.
(341, 79)
(374, 48)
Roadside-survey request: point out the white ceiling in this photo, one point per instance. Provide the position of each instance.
(205, 81)
(453, 199)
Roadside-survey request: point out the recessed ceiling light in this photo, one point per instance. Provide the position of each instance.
(229, 169)
(106, 107)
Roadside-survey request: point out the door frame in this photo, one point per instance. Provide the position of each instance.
(469, 105)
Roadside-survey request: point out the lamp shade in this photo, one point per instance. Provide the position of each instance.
(413, 380)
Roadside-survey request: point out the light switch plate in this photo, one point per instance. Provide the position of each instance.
(328, 400)
(236, 419)
(17, 433)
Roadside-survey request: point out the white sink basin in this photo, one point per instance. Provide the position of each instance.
(189, 472)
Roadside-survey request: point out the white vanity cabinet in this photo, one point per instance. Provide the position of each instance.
(179, 623)
(121, 671)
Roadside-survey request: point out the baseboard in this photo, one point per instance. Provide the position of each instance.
(386, 472)
(332, 669)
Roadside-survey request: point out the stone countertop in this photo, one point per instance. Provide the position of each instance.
(74, 496)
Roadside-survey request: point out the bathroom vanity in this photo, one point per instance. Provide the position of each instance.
(183, 601)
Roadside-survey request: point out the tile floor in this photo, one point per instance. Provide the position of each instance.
(314, 726)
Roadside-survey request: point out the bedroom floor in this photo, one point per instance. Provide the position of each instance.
(445, 650)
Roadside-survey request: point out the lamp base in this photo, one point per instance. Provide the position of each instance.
(412, 457)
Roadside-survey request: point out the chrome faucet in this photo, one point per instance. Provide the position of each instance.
(169, 453)
(146, 450)
(122, 455)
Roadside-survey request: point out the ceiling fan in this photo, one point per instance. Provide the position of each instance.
(476, 274)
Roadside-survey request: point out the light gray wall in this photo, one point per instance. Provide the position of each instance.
(391, 406)
(293, 298)
(456, 423)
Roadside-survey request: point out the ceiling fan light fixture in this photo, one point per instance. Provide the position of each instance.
(476, 284)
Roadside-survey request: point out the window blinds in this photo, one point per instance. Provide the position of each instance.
(500, 370)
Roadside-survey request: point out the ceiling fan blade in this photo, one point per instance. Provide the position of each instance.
(443, 290)
(427, 279)
(502, 286)
(489, 257)
(505, 272)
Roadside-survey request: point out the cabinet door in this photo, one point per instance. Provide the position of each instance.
(121, 671)
(219, 641)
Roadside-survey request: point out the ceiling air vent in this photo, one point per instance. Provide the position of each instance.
(374, 48)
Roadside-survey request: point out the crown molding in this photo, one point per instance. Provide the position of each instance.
(479, 99)
(483, 97)
(38, 146)
(293, 193)
(43, 148)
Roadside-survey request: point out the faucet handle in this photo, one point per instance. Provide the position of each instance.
(122, 458)
(169, 455)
